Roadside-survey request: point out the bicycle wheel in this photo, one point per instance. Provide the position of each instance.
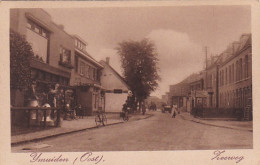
(104, 119)
(97, 121)
(126, 118)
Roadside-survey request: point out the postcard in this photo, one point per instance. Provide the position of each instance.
(130, 82)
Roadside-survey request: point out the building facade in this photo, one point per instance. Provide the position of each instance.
(52, 47)
(116, 89)
(226, 83)
(59, 58)
(85, 78)
(178, 94)
(235, 76)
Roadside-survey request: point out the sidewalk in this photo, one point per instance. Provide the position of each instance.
(224, 123)
(88, 122)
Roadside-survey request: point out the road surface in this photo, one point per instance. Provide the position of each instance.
(159, 132)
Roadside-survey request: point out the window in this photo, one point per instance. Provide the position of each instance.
(233, 74)
(87, 71)
(90, 73)
(237, 71)
(82, 68)
(219, 78)
(229, 77)
(226, 78)
(246, 66)
(80, 45)
(240, 69)
(37, 29)
(94, 74)
(37, 36)
(65, 56)
(222, 77)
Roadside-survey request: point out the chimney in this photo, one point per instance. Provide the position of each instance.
(107, 60)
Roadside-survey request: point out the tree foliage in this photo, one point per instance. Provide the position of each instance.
(139, 62)
(20, 54)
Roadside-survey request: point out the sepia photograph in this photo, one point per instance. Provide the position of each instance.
(134, 83)
(131, 78)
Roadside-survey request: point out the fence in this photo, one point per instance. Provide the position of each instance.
(39, 112)
(218, 113)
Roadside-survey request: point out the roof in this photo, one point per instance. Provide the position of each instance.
(79, 38)
(116, 73)
(88, 57)
(244, 42)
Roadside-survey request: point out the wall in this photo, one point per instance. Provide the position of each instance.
(110, 81)
(229, 91)
(58, 37)
(114, 102)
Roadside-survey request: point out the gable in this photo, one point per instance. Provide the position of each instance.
(110, 80)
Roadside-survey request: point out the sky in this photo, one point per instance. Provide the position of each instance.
(180, 33)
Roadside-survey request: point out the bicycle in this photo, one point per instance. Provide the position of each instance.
(125, 115)
(100, 118)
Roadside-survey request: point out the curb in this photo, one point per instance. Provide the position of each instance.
(148, 116)
(65, 133)
(59, 134)
(214, 125)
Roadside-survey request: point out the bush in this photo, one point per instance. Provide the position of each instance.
(20, 55)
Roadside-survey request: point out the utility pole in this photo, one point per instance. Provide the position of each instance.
(206, 76)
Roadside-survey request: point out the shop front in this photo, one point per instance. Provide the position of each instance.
(91, 97)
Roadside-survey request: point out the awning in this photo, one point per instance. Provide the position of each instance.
(47, 68)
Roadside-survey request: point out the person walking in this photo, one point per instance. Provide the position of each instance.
(174, 111)
(143, 108)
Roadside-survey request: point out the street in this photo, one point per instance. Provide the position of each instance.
(159, 132)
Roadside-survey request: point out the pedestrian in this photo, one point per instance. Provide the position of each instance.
(174, 111)
(143, 108)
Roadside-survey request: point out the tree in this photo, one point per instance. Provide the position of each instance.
(139, 62)
(20, 54)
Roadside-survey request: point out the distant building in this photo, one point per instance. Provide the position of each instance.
(116, 89)
(178, 94)
(197, 95)
(165, 99)
(154, 100)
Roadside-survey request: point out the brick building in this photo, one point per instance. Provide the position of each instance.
(226, 83)
(235, 75)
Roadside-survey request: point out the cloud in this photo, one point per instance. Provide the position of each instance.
(178, 55)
